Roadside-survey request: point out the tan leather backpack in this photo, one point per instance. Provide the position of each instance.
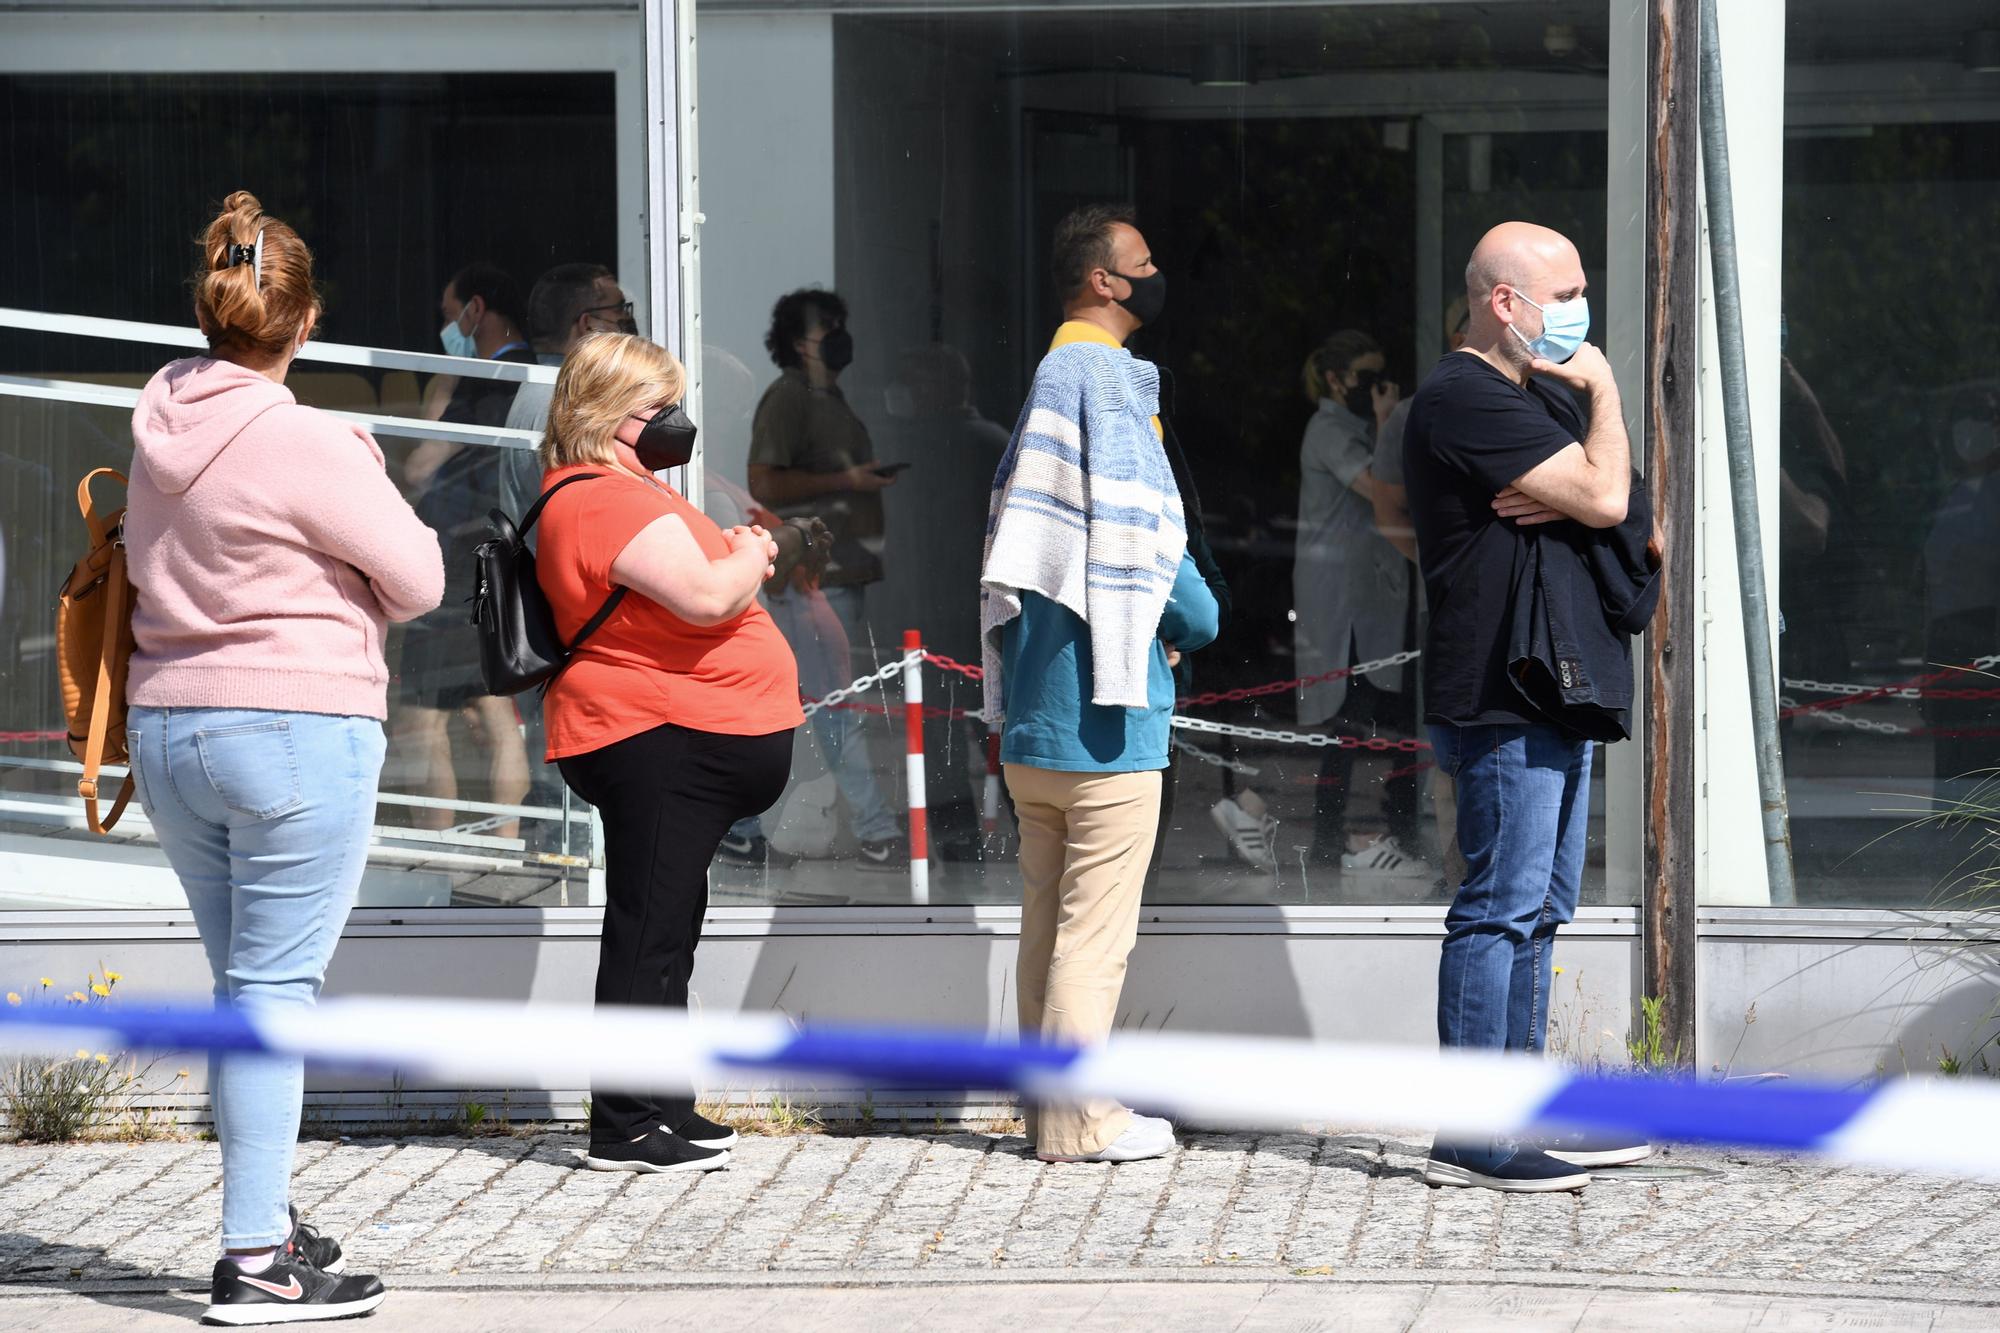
(93, 649)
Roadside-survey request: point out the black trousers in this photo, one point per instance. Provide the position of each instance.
(666, 797)
(1367, 711)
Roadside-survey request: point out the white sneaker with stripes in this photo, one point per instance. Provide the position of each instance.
(1385, 856)
(1250, 839)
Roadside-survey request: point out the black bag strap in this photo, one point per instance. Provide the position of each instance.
(535, 509)
(596, 622)
(591, 625)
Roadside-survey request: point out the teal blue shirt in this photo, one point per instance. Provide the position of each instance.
(1045, 671)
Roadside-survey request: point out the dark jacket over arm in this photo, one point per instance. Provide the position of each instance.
(1580, 594)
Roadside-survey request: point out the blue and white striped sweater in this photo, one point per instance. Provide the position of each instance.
(1086, 513)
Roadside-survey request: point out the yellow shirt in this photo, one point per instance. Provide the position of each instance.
(1083, 331)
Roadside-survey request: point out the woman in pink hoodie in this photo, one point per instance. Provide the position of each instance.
(270, 551)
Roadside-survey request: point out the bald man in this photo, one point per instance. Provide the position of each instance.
(1520, 426)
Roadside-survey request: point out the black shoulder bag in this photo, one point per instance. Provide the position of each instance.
(519, 647)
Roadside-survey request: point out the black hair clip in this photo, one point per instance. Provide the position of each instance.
(241, 254)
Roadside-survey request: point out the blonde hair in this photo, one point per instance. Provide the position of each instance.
(606, 378)
(254, 289)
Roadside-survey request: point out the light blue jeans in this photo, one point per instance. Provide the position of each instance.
(264, 816)
(821, 642)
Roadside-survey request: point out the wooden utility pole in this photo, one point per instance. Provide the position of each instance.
(1673, 338)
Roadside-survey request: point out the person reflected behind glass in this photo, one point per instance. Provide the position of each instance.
(1351, 594)
(1392, 520)
(674, 719)
(458, 486)
(810, 455)
(1962, 580)
(270, 551)
(567, 303)
(937, 536)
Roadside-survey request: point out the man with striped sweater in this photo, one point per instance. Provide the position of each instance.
(1087, 597)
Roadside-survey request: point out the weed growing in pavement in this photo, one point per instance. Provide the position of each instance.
(777, 1117)
(1647, 1044)
(53, 1099)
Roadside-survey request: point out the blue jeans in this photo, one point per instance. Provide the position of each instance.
(265, 817)
(821, 644)
(1523, 811)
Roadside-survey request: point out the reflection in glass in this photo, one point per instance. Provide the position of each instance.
(1284, 167)
(402, 181)
(1888, 504)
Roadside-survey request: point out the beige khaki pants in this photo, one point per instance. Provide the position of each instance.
(1085, 841)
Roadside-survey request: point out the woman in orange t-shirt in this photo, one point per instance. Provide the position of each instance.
(674, 718)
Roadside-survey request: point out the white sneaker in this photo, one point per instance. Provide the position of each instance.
(1385, 856)
(1250, 838)
(1147, 1136)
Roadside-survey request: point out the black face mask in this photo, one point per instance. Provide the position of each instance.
(665, 441)
(836, 350)
(1148, 298)
(1361, 398)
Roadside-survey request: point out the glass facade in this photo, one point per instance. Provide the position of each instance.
(1889, 502)
(507, 140)
(1298, 171)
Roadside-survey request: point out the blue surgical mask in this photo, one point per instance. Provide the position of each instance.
(456, 341)
(1564, 326)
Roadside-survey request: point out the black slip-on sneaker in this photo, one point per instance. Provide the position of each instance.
(1511, 1168)
(1587, 1149)
(702, 1132)
(322, 1252)
(656, 1152)
(290, 1291)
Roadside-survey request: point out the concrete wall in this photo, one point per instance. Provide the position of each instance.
(1371, 982)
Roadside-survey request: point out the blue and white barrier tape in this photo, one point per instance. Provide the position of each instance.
(1251, 1082)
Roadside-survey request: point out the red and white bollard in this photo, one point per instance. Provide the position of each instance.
(913, 731)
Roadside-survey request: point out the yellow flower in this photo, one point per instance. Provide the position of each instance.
(83, 1055)
(12, 998)
(114, 977)
(46, 983)
(182, 1074)
(103, 1059)
(1559, 971)
(99, 988)
(77, 995)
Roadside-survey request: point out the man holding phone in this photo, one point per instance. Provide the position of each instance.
(810, 454)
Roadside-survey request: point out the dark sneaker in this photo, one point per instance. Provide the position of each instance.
(887, 854)
(656, 1152)
(741, 850)
(322, 1252)
(1588, 1149)
(290, 1291)
(702, 1132)
(1511, 1168)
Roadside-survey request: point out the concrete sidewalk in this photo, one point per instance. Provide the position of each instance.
(1281, 1230)
(1193, 1305)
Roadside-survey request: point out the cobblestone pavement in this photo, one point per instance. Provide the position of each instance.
(962, 1206)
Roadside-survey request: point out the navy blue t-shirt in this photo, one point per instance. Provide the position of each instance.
(1472, 433)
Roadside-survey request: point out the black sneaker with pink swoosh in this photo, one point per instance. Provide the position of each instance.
(290, 1291)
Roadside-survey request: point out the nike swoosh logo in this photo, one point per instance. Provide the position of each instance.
(290, 1293)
